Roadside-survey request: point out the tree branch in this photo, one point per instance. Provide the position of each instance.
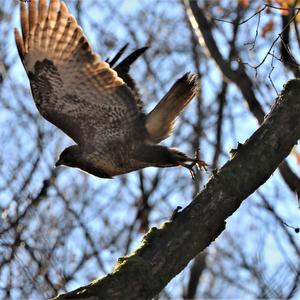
(165, 251)
(199, 265)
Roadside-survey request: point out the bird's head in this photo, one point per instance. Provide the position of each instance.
(70, 157)
(75, 157)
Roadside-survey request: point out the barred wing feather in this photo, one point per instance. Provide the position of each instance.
(72, 87)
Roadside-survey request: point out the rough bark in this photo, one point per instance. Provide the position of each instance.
(165, 251)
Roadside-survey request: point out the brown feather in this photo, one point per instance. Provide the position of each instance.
(68, 80)
(24, 23)
(81, 94)
(161, 120)
(19, 43)
(32, 16)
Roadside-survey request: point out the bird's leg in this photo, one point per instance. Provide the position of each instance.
(196, 161)
(160, 156)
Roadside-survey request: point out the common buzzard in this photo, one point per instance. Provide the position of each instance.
(96, 105)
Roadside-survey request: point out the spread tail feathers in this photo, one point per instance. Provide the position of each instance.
(161, 120)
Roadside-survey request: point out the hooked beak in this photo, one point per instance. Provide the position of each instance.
(58, 163)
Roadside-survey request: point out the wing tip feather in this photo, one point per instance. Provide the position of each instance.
(24, 20)
(32, 15)
(35, 16)
(63, 7)
(19, 43)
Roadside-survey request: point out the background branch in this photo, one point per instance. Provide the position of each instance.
(239, 76)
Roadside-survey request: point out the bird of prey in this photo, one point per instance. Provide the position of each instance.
(97, 105)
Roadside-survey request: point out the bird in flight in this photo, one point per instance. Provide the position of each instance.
(95, 103)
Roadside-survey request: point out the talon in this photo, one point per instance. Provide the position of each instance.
(191, 170)
(189, 163)
(201, 164)
(193, 174)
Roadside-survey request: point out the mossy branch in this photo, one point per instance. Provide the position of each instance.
(165, 251)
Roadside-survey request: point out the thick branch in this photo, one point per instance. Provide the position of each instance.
(164, 252)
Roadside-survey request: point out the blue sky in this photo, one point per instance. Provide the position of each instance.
(166, 67)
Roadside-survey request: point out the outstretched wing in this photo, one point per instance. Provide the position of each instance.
(72, 87)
